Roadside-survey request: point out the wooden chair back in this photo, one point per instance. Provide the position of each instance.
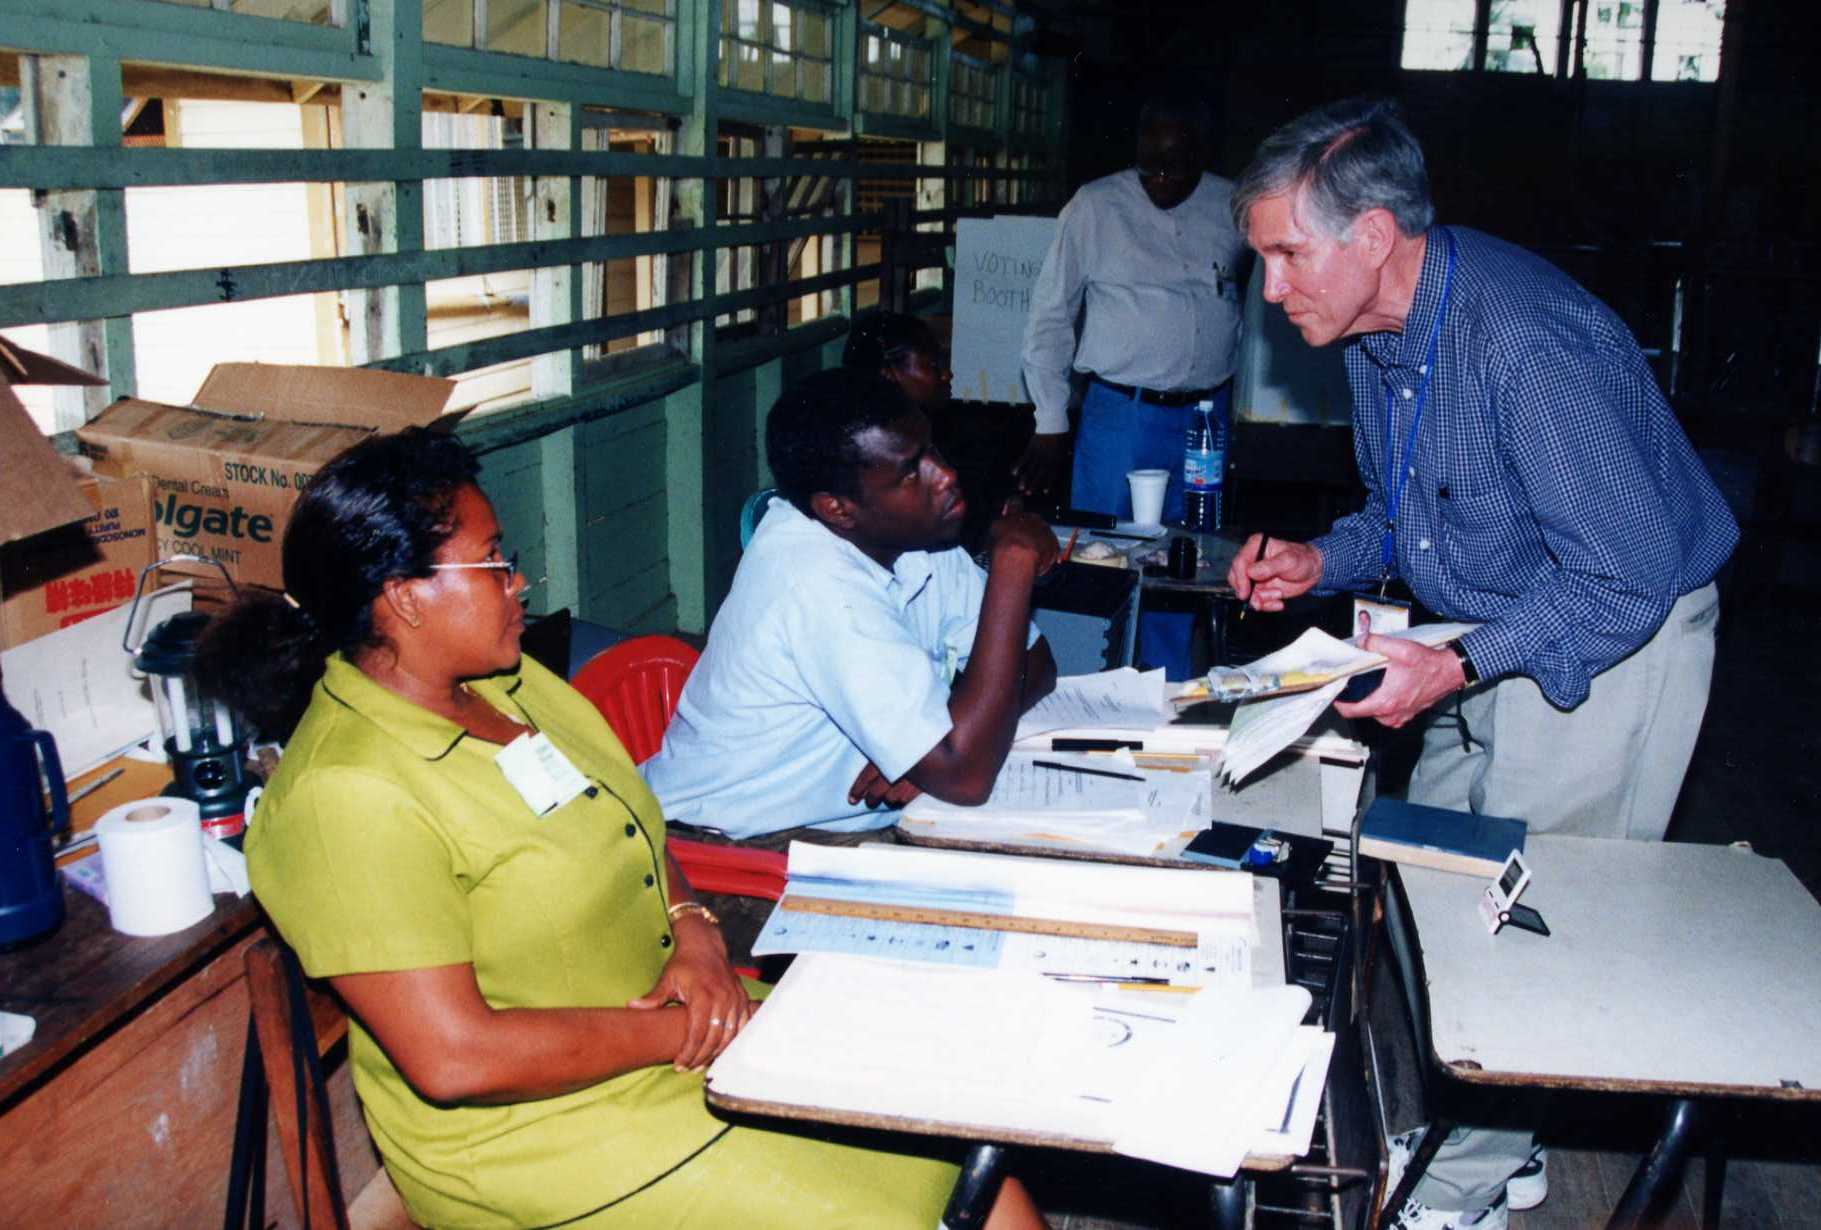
(300, 1104)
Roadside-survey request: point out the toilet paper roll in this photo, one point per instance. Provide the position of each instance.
(157, 879)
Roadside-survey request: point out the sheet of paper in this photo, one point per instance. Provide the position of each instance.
(1123, 699)
(1025, 787)
(957, 1046)
(1171, 803)
(1237, 1041)
(79, 684)
(1262, 728)
(1308, 1059)
(1185, 1079)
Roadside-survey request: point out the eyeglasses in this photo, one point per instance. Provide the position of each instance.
(508, 566)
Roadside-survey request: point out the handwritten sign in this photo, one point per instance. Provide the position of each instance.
(997, 261)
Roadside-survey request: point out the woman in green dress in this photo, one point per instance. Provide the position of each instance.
(458, 843)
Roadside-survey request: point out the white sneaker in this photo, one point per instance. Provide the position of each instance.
(1529, 1187)
(1418, 1216)
(1401, 1148)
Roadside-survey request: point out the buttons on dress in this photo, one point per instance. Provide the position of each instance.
(632, 830)
(651, 879)
(663, 941)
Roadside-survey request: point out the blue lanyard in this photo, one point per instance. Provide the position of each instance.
(1401, 467)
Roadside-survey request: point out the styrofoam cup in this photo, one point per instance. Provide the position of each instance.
(1147, 495)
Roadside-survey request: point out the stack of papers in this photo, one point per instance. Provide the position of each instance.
(80, 685)
(1262, 728)
(1123, 699)
(1068, 797)
(1192, 1080)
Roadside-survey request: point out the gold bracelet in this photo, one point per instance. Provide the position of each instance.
(692, 907)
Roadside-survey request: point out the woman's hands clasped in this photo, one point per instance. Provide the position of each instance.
(700, 979)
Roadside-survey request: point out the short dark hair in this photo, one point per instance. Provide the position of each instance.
(1353, 155)
(812, 433)
(1191, 110)
(885, 339)
(376, 511)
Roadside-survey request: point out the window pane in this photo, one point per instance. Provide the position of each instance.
(1438, 34)
(660, 7)
(646, 46)
(783, 75)
(1615, 39)
(449, 21)
(812, 34)
(516, 26)
(817, 81)
(748, 69)
(741, 17)
(1523, 36)
(1688, 40)
(582, 35)
(780, 26)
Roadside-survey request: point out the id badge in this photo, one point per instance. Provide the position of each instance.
(1379, 616)
(540, 773)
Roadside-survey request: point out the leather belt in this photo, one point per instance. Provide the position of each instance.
(1158, 397)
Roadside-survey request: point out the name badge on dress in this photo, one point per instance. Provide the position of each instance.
(540, 773)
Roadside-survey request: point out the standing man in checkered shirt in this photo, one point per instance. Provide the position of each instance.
(1524, 473)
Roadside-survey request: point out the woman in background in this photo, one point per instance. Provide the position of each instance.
(457, 842)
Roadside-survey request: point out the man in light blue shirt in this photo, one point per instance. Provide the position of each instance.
(861, 657)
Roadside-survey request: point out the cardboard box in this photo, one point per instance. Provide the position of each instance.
(67, 574)
(227, 468)
(40, 490)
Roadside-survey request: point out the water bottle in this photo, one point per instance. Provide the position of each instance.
(1204, 467)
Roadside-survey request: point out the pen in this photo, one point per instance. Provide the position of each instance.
(1070, 549)
(1262, 540)
(1066, 744)
(1075, 768)
(1110, 979)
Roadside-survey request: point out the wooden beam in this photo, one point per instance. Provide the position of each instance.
(122, 294)
(76, 100)
(386, 216)
(177, 34)
(552, 286)
(59, 168)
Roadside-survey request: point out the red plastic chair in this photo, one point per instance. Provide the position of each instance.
(635, 684)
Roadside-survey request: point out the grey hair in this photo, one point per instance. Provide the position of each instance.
(1351, 156)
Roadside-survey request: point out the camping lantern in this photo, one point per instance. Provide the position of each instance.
(203, 737)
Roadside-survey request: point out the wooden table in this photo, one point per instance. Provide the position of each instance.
(120, 1111)
(1683, 972)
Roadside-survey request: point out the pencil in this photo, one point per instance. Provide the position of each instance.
(1262, 540)
(1070, 549)
(1075, 768)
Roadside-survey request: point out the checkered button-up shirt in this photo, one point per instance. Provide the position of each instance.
(1551, 494)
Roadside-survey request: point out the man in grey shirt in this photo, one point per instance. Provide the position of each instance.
(1148, 260)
